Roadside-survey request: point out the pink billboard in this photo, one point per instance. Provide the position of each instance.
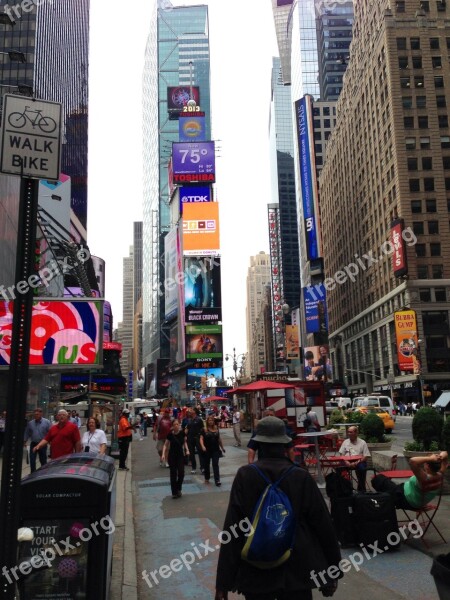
(63, 333)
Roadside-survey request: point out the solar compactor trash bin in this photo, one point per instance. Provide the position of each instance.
(70, 506)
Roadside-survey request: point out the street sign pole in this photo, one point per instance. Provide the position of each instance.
(17, 388)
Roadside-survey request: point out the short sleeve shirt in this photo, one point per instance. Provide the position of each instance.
(358, 448)
(63, 439)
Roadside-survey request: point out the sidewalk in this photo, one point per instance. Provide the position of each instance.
(402, 574)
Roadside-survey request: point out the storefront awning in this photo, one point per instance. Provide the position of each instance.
(443, 400)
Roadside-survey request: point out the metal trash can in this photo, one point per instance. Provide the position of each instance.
(70, 506)
(440, 570)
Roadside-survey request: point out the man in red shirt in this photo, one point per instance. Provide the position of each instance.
(64, 437)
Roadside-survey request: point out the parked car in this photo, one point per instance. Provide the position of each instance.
(388, 421)
(344, 402)
(376, 400)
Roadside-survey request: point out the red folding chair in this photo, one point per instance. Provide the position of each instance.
(425, 516)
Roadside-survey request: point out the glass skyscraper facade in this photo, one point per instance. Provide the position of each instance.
(177, 55)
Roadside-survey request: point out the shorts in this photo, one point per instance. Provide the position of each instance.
(160, 445)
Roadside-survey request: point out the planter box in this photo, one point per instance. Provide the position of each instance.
(411, 453)
(380, 446)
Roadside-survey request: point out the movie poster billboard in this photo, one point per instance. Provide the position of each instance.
(192, 128)
(407, 341)
(204, 341)
(292, 342)
(201, 229)
(202, 291)
(170, 279)
(317, 365)
(399, 261)
(65, 333)
(316, 315)
(194, 162)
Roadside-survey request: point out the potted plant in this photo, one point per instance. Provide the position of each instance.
(372, 430)
(427, 431)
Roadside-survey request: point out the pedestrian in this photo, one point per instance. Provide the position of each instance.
(316, 547)
(35, 430)
(193, 428)
(161, 430)
(174, 450)
(144, 418)
(354, 446)
(74, 418)
(2, 428)
(124, 437)
(94, 438)
(212, 447)
(311, 421)
(64, 437)
(236, 420)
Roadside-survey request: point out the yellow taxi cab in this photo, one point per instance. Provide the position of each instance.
(388, 421)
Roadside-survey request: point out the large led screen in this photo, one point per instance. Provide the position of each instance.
(179, 96)
(192, 128)
(170, 281)
(63, 333)
(202, 292)
(204, 341)
(407, 341)
(202, 379)
(201, 229)
(194, 162)
(316, 309)
(317, 365)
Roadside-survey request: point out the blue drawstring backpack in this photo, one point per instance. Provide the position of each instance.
(274, 523)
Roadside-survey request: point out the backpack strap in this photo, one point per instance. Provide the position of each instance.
(267, 480)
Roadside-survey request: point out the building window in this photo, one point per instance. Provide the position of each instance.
(431, 205)
(436, 61)
(408, 122)
(410, 143)
(420, 250)
(425, 295)
(440, 295)
(433, 227)
(447, 183)
(412, 164)
(435, 249)
(405, 82)
(400, 6)
(415, 43)
(401, 43)
(441, 101)
(407, 101)
(443, 120)
(446, 162)
(414, 185)
(427, 163)
(440, 5)
(424, 143)
(416, 206)
(434, 43)
(419, 81)
(417, 62)
(423, 122)
(445, 141)
(422, 271)
(418, 227)
(425, 5)
(402, 62)
(439, 82)
(428, 184)
(437, 271)
(421, 101)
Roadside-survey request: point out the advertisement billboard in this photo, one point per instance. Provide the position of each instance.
(170, 279)
(399, 264)
(407, 341)
(191, 128)
(204, 341)
(194, 195)
(292, 342)
(178, 96)
(305, 131)
(202, 379)
(201, 229)
(202, 291)
(194, 162)
(63, 333)
(317, 365)
(163, 379)
(316, 314)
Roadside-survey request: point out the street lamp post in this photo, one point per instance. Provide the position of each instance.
(235, 357)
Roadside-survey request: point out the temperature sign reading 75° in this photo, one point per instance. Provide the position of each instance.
(194, 162)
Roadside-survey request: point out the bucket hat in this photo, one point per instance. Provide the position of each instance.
(271, 430)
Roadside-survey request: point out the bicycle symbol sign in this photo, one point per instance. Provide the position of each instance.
(31, 138)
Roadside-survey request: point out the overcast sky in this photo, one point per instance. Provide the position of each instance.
(243, 41)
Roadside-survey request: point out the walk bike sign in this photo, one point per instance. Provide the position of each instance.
(31, 138)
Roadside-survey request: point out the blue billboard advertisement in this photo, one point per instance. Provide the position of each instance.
(194, 162)
(192, 128)
(316, 314)
(194, 194)
(303, 110)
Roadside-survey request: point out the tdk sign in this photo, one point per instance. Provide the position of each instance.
(195, 194)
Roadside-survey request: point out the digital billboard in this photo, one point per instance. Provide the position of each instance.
(194, 162)
(191, 128)
(178, 96)
(202, 291)
(292, 342)
(170, 280)
(303, 110)
(63, 333)
(399, 264)
(204, 341)
(407, 341)
(201, 229)
(316, 314)
(194, 195)
(317, 365)
(201, 379)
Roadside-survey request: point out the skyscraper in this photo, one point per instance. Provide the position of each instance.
(177, 61)
(258, 277)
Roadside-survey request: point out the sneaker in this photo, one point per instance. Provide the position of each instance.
(206, 480)
(193, 472)
(179, 494)
(161, 464)
(124, 469)
(167, 465)
(175, 496)
(218, 483)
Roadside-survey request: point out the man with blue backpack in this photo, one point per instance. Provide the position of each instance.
(292, 535)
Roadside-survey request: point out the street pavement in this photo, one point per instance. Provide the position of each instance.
(165, 528)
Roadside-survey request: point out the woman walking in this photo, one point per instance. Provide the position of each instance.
(212, 446)
(174, 450)
(94, 438)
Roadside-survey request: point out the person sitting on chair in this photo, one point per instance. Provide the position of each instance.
(419, 489)
(354, 446)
